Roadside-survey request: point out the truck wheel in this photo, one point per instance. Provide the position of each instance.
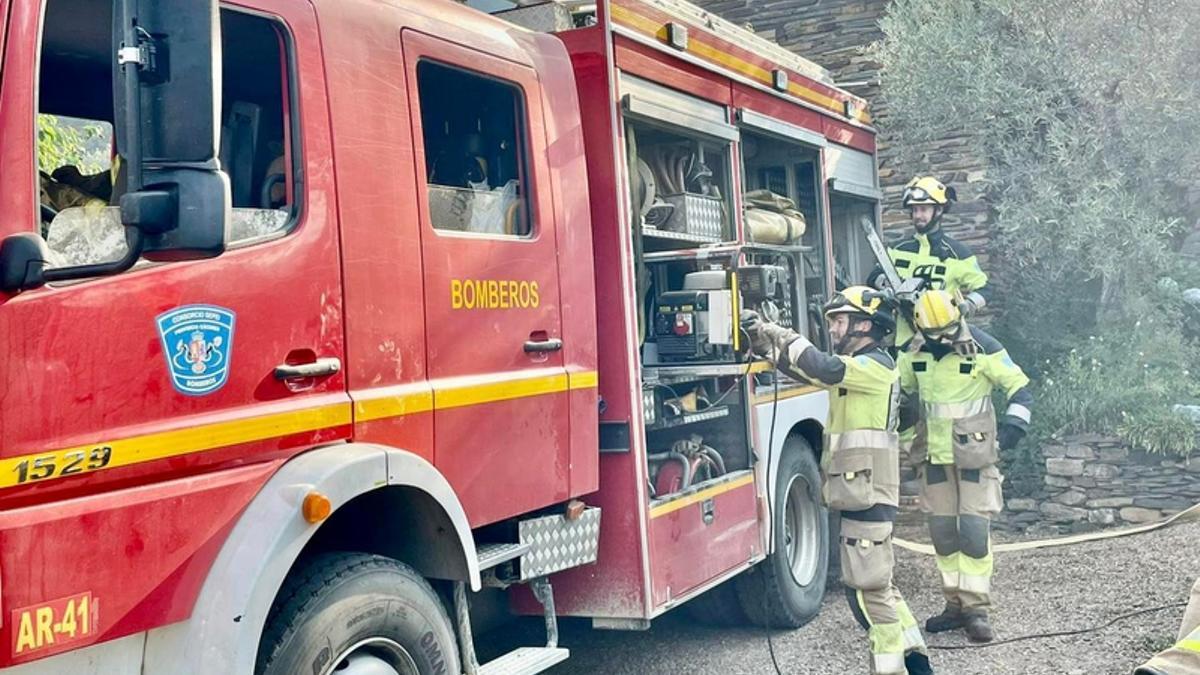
(786, 589)
(353, 614)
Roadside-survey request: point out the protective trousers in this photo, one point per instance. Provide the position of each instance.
(867, 561)
(1184, 657)
(959, 504)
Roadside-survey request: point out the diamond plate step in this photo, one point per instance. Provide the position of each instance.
(491, 555)
(525, 661)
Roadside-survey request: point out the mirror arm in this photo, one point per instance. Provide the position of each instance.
(131, 57)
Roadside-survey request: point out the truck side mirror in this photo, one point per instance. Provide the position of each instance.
(23, 259)
(166, 107)
(166, 104)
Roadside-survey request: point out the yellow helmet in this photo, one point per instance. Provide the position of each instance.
(937, 312)
(862, 301)
(928, 190)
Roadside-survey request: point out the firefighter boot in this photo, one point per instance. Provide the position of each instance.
(949, 619)
(917, 664)
(978, 628)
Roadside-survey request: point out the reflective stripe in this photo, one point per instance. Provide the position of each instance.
(1191, 643)
(950, 580)
(948, 563)
(948, 566)
(863, 438)
(953, 411)
(887, 647)
(975, 574)
(1019, 411)
(912, 632)
(980, 567)
(862, 606)
(913, 639)
(974, 584)
(889, 664)
(976, 299)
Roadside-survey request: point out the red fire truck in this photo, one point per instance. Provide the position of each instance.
(325, 316)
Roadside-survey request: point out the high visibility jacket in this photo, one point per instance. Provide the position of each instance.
(956, 394)
(861, 458)
(944, 262)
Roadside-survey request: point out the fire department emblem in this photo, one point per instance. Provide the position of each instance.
(197, 341)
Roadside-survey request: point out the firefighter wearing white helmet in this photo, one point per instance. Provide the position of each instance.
(861, 459)
(931, 254)
(952, 375)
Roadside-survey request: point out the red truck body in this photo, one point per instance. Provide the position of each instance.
(120, 492)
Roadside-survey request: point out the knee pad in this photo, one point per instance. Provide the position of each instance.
(973, 533)
(943, 530)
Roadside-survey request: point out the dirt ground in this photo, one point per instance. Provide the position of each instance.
(1045, 590)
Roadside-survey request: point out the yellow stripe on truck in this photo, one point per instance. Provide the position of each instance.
(708, 493)
(54, 464)
(648, 26)
(385, 402)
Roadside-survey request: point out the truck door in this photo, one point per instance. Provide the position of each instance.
(171, 369)
(492, 306)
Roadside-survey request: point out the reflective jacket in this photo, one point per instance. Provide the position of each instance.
(956, 394)
(862, 456)
(944, 262)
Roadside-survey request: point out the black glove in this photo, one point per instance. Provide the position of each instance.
(1009, 435)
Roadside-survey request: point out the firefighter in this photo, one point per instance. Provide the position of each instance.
(860, 462)
(1184, 656)
(949, 378)
(931, 254)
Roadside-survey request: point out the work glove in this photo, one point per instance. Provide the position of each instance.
(1009, 435)
(967, 307)
(963, 343)
(766, 339)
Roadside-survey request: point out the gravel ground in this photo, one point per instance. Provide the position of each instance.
(1043, 590)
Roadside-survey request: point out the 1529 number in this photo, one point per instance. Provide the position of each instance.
(53, 466)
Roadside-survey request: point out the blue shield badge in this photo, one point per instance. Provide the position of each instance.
(197, 341)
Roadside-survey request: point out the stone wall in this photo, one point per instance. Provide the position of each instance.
(1092, 481)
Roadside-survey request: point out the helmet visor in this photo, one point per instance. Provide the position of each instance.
(940, 333)
(916, 194)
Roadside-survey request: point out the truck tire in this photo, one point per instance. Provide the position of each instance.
(786, 589)
(357, 613)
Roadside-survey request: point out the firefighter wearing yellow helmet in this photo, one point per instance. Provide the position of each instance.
(861, 459)
(949, 379)
(1184, 655)
(931, 254)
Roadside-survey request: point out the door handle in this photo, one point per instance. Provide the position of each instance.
(319, 368)
(542, 346)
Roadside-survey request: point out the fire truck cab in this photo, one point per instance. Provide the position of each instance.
(322, 316)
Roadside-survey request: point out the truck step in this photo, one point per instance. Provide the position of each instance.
(525, 661)
(491, 555)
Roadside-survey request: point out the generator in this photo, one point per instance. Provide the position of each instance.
(696, 323)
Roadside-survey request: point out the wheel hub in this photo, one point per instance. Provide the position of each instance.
(374, 656)
(801, 530)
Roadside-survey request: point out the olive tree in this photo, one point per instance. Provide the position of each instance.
(1085, 114)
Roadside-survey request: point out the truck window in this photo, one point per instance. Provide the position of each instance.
(851, 253)
(473, 130)
(80, 175)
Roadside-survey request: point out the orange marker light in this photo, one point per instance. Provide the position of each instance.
(317, 507)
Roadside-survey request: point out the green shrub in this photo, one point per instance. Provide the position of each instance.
(1160, 432)
(1083, 112)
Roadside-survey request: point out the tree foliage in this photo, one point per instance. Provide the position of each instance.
(62, 142)
(1084, 111)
